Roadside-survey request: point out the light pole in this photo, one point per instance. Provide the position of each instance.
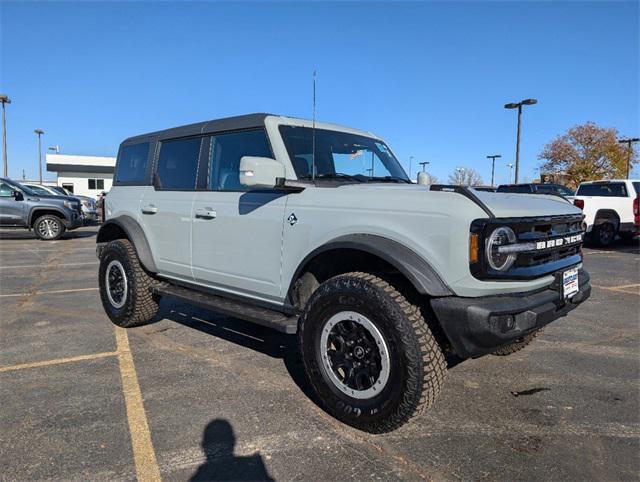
(519, 107)
(628, 142)
(461, 171)
(39, 133)
(493, 165)
(410, 165)
(423, 164)
(5, 100)
(510, 166)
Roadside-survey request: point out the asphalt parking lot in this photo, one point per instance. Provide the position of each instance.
(201, 396)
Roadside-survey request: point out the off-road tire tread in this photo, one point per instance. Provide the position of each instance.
(423, 388)
(63, 228)
(516, 346)
(144, 305)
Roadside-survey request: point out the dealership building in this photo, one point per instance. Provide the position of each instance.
(82, 175)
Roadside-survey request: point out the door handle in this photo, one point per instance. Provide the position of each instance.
(205, 213)
(150, 209)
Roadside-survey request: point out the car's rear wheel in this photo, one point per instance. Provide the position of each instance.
(125, 287)
(604, 234)
(49, 227)
(368, 353)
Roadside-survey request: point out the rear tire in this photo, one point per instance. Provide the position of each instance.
(604, 234)
(125, 286)
(49, 227)
(516, 345)
(368, 353)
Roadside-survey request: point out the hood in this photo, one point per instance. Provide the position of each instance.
(502, 205)
(510, 205)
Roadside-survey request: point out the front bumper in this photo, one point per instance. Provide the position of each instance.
(74, 220)
(477, 326)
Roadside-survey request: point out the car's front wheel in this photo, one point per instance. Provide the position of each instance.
(49, 227)
(369, 353)
(125, 285)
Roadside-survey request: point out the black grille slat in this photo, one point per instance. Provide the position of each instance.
(543, 231)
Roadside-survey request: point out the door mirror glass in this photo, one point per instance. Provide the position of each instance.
(260, 171)
(423, 178)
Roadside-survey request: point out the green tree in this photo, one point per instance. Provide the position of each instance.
(586, 153)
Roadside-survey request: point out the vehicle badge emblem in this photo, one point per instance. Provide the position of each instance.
(292, 219)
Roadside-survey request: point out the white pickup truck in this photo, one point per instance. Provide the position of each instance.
(610, 208)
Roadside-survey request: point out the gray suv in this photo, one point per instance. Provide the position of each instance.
(49, 216)
(315, 229)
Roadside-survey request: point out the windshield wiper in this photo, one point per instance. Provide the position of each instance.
(337, 175)
(389, 179)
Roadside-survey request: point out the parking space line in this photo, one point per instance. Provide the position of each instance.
(58, 361)
(629, 289)
(27, 250)
(53, 292)
(47, 264)
(144, 455)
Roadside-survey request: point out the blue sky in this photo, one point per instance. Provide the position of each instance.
(429, 77)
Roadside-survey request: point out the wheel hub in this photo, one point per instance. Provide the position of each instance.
(116, 284)
(354, 355)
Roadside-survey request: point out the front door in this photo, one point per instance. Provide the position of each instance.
(237, 234)
(166, 208)
(12, 210)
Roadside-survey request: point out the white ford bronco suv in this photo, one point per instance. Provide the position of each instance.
(315, 229)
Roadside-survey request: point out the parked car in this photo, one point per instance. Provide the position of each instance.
(536, 188)
(88, 204)
(315, 229)
(485, 188)
(610, 208)
(49, 216)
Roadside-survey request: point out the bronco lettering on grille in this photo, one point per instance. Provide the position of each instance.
(552, 243)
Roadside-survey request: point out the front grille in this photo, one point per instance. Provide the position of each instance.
(542, 233)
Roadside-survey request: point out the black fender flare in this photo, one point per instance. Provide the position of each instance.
(416, 269)
(134, 233)
(32, 218)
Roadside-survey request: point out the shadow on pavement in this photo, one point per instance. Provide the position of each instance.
(25, 234)
(218, 443)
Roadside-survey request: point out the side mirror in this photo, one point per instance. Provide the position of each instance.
(260, 171)
(423, 178)
(17, 195)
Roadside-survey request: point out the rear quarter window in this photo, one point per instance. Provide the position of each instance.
(132, 164)
(610, 189)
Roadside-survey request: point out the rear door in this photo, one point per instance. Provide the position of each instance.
(12, 211)
(237, 233)
(166, 207)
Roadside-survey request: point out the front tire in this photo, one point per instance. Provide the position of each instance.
(369, 354)
(49, 227)
(125, 286)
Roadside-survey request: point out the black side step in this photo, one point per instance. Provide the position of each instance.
(255, 314)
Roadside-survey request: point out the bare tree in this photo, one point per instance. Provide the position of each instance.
(465, 176)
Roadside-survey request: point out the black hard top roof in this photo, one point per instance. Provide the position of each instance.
(247, 121)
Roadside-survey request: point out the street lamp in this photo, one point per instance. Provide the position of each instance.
(5, 100)
(519, 107)
(628, 142)
(410, 164)
(461, 171)
(493, 165)
(510, 166)
(423, 164)
(39, 133)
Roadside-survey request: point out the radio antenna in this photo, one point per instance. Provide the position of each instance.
(313, 132)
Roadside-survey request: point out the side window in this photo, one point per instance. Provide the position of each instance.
(226, 152)
(132, 163)
(5, 190)
(178, 164)
(39, 190)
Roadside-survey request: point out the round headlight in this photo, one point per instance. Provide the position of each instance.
(500, 237)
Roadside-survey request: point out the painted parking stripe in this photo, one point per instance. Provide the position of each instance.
(58, 361)
(54, 292)
(144, 455)
(44, 264)
(6, 251)
(633, 289)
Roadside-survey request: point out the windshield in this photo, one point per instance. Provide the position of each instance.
(62, 191)
(341, 155)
